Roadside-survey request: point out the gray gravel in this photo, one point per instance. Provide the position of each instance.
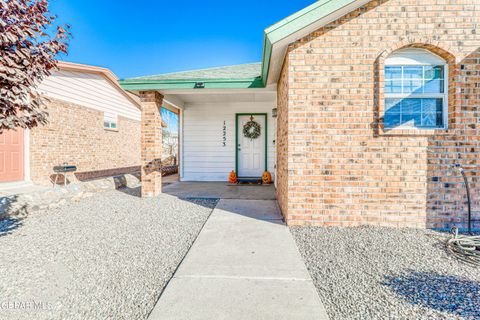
(106, 257)
(383, 273)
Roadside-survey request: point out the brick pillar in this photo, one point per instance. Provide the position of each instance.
(151, 143)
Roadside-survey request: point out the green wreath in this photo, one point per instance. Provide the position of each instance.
(252, 130)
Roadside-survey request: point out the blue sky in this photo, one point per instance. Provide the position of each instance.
(145, 37)
(171, 119)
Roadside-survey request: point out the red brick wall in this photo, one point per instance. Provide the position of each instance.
(151, 143)
(343, 169)
(281, 144)
(75, 134)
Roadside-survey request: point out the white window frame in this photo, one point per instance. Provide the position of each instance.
(109, 121)
(416, 58)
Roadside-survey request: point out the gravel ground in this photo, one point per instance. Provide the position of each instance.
(106, 257)
(383, 273)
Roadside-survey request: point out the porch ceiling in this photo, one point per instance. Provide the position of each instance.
(177, 99)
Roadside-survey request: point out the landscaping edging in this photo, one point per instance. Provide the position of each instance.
(20, 205)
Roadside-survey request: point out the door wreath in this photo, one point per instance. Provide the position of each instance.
(252, 129)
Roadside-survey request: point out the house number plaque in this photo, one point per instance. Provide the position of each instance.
(224, 142)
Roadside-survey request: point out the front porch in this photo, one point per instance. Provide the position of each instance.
(220, 190)
(214, 107)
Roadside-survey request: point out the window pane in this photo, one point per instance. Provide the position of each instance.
(412, 119)
(439, 105)
(106, 124)
(413, 73)
(394, 105)
(432, 113)
(429, 120)
(430, 105)
(411, 106)
(391, 120)
(413, 86)
(434, 73)
(434, 86)
(393, 86)
(113, 125)
(432, 120)
(392, 114)
(412, 79)
(440, 123)
(414, 112)
(393, 73)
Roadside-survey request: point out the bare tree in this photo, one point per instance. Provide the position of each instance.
(170, 144)
(29, 44)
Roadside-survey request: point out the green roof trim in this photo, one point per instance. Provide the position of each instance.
(253, 75)
(230, 77)
(192, 84)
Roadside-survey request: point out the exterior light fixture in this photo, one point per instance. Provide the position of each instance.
(274, 113)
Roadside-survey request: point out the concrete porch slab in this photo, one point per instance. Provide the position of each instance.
(256, 209)
(243, 265)
(220, 190)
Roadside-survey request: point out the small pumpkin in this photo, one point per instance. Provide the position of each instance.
(267, 178)
(233, 177)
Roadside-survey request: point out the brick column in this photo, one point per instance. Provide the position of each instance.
(151, 141)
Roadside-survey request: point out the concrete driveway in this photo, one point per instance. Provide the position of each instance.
(243, 265)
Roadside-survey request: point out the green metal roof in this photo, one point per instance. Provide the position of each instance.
(254, 75)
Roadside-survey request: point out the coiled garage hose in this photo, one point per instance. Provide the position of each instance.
(465, 248)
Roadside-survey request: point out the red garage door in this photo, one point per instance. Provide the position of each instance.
(11, 155)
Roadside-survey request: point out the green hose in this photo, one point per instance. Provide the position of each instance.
(465, 248)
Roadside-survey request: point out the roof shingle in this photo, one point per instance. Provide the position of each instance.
(242, 71)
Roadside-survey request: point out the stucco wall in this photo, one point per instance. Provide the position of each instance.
(343, 169)
(75, 134)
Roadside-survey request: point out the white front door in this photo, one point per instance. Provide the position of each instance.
(251, 152)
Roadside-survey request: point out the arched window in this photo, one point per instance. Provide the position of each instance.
(416, 90)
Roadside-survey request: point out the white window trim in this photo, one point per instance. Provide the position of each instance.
(26, 156)
(109, 127)
(110, 119)
(408, 58)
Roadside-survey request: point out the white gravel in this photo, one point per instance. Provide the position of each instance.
(383, 273)
(106, 257)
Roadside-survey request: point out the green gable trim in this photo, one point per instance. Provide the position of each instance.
(191, 84)
(267, 56)
(294, 23)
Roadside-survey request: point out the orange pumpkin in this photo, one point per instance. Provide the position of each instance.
(267, 178)
(233, 177)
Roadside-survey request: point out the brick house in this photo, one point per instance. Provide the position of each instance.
(363, 106)
(93, 124)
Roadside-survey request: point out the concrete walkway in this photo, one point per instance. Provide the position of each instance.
(243, 265)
